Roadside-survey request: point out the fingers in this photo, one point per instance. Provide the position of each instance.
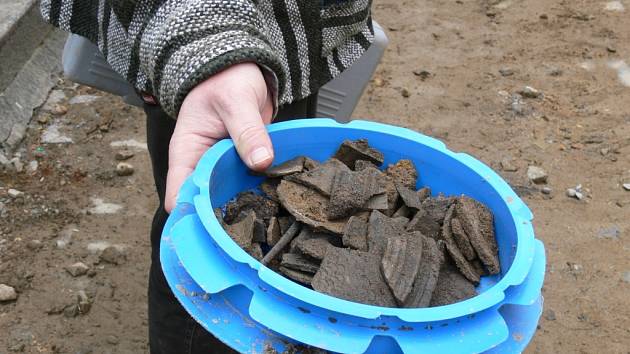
(245, 125)
(185, 150)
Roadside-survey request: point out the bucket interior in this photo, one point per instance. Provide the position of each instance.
(438, 170)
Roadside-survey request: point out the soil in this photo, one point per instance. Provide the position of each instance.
(460, 62)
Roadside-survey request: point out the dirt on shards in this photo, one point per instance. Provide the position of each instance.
(462, 64)
(348, 248)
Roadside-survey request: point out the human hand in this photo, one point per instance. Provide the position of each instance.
(233, 102)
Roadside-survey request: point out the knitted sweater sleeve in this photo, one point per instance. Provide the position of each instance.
(188, 41)
(180, 43)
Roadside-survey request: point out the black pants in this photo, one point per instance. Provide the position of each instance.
(171, 329)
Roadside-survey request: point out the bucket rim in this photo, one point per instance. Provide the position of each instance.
(521, 215)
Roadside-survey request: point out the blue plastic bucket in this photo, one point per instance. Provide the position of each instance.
(250, 307)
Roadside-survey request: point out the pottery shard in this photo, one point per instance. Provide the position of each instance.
(424, 193)
(321, 177)
(437, 207)
(361, 165)
(461, 239)
(286, 168)
(381, 228)
(355, 234)
(300, 262)
(410, 197)
(400, 264)
(273, 232)
(260, 231)
(264, 208)
(427, 277)
(352, 191)
(242, 232)
(310, 164)
(308, 206)
(255, 251)
(377, 202)
(460, 261)
(404, 173)
(424, 223)
(351, 151)
(403, 211)
(269, 187)
(300, 277)
(476, 220)
(452, 287)
(353, 275)
(315, 246)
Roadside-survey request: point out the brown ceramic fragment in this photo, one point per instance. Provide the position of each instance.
(381, 228)
(351, 151)
(264, 208)
(461, 240)
(427, 277)
(255, 251)
(269, 187)
(475, 220)
(436, 207)
(361, 165)
(353, 275)
(286, 168)
(425, 224)
(355, 233)
(297, 261)
(296, 275)
(400, 264)
(351, 191)
(242, 232)
(460, 261)
(404, 173)
(315, 246)
(403, 211)
(410, 197)
(310, 164)
(321, 177)
(452, 287)
(308, 206)
(424, 193)
(273, 232)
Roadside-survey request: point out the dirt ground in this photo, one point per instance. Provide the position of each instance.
(453, 70)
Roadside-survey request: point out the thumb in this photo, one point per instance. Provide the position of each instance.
(247, 129)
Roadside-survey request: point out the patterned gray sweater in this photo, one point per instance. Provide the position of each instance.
(166, 47)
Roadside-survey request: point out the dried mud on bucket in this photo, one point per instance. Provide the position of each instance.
(352, 228)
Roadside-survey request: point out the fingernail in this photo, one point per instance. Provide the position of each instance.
(259, 156)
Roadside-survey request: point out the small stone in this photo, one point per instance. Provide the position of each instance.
(7, 293)
(546, 190)
(550, 315)
(77, 269)
(378, 82)
(33, 166)
(612, 232)
(17, 164)
(626, 186)
(405, 93)
(83, 302)
(124, 155)
(423, 74)
(113, 340)
(530, 92)
(611, 49)
(508, 166)
(34, 245)
(113, 255)
(14, 193)
(537, 174)
(626, 277)
(124, 169)
(42, 119)
(506, 72)
(64, 238)
(59, 109)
